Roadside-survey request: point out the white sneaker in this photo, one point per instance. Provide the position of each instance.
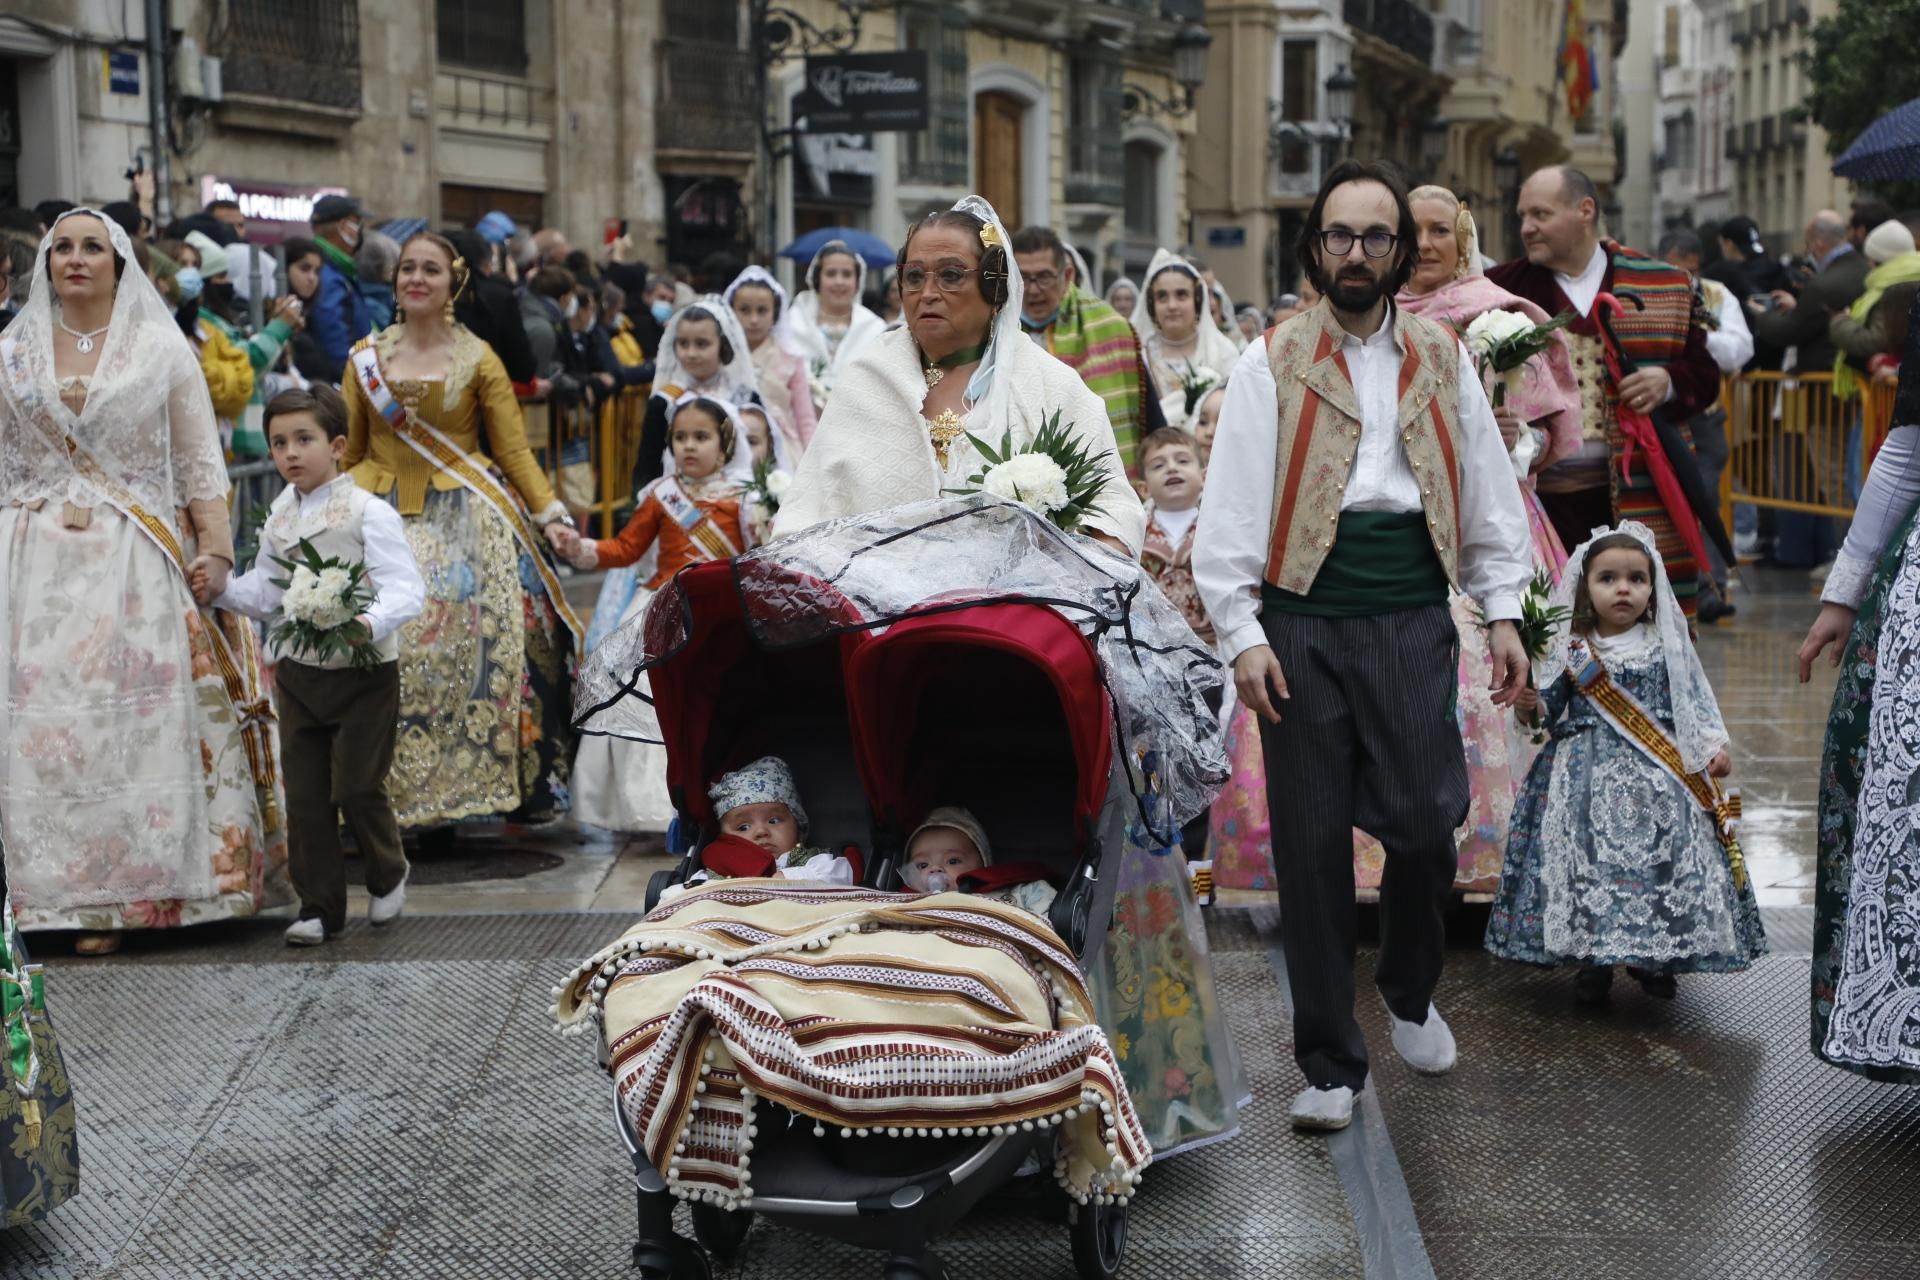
(1426, 1046)
(306, 933)
(1323, 1110)
(387, 907)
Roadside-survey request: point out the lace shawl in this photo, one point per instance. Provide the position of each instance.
(147, 423)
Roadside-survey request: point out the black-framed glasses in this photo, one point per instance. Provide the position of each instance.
(1338, 242)
(946, 279)
(1040, 279)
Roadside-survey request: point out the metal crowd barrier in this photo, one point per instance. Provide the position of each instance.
(1795, 446)
(255, 484)
(589, 454)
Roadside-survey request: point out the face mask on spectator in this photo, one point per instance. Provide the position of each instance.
(189, 281)
(662, 311)
(573, 308)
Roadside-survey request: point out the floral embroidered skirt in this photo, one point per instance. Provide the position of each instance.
(1866, 940)
(486, 676)
(127, 796)
(1152, 983)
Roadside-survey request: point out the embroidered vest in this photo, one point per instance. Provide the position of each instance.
(334, 531)
(1319, 434)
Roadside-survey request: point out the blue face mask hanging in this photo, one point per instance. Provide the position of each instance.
(662, 311)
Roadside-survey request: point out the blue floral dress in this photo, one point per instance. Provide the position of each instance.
(1610, 859)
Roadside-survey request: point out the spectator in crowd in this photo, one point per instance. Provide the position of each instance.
(544, 314)
(1730, 343)
(1093, 339)
(488, 308)
(374, 262)
(1250, 322)
(262, 350)
(1839, 277)
(496, 227)
(50, 210)
(1745, 267)
(550, 247)
(1865, 218)
(621, 340)
(1122, 295)
(683, 290)
(585, 353)
(16, 275)
(24, 223)
(1285, 309)
(1875, 326)
(303, 261)
(523, 258)
(338, 316)
(228, 211)
(215, 230)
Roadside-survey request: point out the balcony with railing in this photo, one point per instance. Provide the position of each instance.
(475, 99)
(711, 87)
(299, 51)
(1400, 23)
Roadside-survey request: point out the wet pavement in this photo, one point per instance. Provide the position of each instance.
(396, 1105)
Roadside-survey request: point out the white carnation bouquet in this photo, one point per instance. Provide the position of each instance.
(1502, 341)
(1056, 474)
(323, 600)
(763, 494)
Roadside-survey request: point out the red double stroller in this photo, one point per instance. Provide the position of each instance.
(879, 723)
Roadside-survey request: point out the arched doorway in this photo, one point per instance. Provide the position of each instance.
(998, 160)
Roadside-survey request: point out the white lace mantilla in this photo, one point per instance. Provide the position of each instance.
(1876, 1002)
(147, 423)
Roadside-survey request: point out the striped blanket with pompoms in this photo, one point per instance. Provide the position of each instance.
(875, 1014)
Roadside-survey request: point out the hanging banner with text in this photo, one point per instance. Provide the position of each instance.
(864, 93)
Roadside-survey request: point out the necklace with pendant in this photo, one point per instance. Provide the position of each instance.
(934, 370)
(943, 431)
(83, 342)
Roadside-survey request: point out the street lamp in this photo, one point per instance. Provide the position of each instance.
(1341, 87)
(1190, 47)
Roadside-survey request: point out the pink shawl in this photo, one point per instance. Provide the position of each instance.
(1548, 396)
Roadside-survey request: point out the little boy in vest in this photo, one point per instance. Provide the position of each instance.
(337, 723)
(1170, 463)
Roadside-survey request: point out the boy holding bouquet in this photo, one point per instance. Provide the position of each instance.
(334, 568)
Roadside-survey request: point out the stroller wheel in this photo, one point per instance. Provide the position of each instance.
(925, 1266)
(1099, 1239)
(720, 1231)
(682, 1259)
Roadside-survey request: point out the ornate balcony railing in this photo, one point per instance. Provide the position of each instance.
(301, 50)
(1401, 23)
(711, 87)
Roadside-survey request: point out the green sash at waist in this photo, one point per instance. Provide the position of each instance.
(1381, 562)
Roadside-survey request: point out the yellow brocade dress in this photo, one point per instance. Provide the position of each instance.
(486, 670)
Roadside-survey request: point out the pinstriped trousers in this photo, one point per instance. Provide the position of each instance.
(1367, 739)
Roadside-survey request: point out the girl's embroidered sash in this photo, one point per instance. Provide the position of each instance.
(1638, 726)
(707, 536)
(237, 655)
(426, 440)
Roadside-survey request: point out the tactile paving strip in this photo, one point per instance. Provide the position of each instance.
(395, 1105)
(1692, 1139)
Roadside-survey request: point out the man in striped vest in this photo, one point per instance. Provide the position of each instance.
(1567, 267)
(1357, 477)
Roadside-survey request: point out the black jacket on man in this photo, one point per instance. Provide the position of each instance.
(1833, 288)
(488, 307)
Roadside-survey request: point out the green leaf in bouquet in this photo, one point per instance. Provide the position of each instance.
(985, 450)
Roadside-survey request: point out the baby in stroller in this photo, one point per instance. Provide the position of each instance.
(949, 852)
(762, 824)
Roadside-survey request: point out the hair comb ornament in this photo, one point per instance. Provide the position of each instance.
(988, 236)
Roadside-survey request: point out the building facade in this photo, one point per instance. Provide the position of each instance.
(1062, 113)
(1782, 174)
(1695, 65)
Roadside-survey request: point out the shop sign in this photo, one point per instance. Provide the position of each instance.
(864, 93)
(265, 201)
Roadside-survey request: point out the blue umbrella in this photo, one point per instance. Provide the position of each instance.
(877, 252)
(1887, 151)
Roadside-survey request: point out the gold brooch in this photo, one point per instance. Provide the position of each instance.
(943, 431)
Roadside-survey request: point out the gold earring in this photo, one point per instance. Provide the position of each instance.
(448, 309)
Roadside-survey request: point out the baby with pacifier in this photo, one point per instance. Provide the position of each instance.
(949, 853)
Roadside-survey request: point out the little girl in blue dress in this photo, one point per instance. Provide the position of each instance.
(1621, 850)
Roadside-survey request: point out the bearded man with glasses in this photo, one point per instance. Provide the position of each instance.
(1357, 477)
(1093, 339)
